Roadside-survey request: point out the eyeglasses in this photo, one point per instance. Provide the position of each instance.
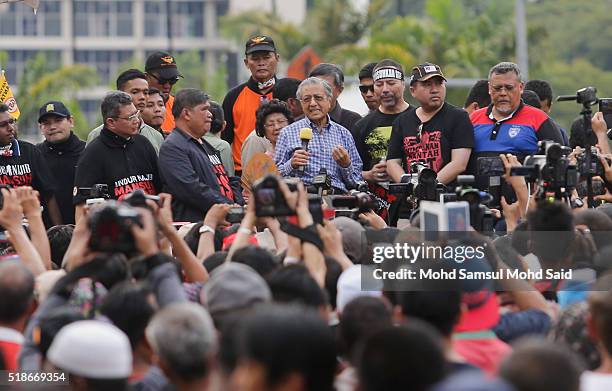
(364, 89)
(133, 117)
(280, 123)
(317, 98)
(507, 87)
(6, 123)
(161, 81)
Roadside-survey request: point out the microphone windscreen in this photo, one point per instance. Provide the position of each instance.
(305, 134)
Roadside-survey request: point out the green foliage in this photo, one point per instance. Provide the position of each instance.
(42, 82)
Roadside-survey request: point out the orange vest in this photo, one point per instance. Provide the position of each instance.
(168, 124)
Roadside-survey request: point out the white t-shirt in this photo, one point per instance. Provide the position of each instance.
(593, 381)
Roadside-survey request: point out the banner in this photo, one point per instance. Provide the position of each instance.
(7, 97)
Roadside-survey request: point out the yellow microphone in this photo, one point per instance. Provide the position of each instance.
(305, 136)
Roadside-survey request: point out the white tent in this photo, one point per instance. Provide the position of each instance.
(32, 3)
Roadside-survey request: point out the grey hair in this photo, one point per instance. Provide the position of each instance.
(314, 81)
(326, 69)
(505, 67)
(112, 103)
(184, 337)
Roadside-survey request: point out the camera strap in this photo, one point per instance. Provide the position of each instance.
(308, 234)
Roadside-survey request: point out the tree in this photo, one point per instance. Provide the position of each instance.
(42, 82)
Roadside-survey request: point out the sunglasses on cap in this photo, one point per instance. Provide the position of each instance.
(161, 81)
(364, 89)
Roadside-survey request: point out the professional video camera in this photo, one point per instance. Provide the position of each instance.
(270, 202)
(551, 169)
(481, 218)
(421, 184)
(356, 202)
(321, 183)
(586, 97)
(110, 226)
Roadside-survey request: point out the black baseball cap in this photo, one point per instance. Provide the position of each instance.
(424, 72)
(163, 63)
(53, 108)
(259, 43)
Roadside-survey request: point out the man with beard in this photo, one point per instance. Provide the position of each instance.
(436, 134)
(374, 130)
(135, 84)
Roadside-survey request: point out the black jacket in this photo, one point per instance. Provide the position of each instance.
(123, 164)
(62, 159)
(193, 173)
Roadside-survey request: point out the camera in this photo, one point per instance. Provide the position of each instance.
(322, 182)
(551, 168)
(138, 198)
(235, 214)
(95, 194)
(481, 218)
(595, 168)
(270, 202)
(110, 226)
(422, 183)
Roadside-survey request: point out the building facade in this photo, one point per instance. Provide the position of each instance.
(106, 34)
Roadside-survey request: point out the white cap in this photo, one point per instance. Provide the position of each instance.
(92, 349)
(349, 287)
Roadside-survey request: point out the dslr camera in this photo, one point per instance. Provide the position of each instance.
(270, 201)
(110, 226)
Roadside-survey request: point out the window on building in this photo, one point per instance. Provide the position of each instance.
(106, 18)
(17, 20)
(106, 62)
(186, 18)
(17, 62)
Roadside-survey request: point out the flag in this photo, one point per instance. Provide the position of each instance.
(7, 97)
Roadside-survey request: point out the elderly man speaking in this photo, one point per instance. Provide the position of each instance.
(316, 142)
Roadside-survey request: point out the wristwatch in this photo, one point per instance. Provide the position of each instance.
(206, 228)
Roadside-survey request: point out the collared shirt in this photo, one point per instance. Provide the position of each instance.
(154, 137)
(320, 149)
(193, 173)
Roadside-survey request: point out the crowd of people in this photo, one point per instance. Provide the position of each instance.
(143, 258)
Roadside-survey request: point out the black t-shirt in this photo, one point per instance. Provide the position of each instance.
(26, 167)
(449, 129)
(62, 159)
(373, 133)
(124, 165)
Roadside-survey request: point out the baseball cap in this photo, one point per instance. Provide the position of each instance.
(259, 43)
(425, 71)
(53, 108)
(234, 286)
(92, 349)
(164, 63)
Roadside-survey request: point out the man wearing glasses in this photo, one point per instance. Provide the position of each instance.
(366, 87)
(162, 73)
(22, 164)
(332, 146)
(134, 82)
(508, 125)
(120, 157)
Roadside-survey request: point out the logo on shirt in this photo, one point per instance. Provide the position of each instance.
(514, 131)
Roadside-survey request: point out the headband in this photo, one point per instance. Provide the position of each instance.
(388, 73)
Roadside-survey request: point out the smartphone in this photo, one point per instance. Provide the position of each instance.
(490, 166)
(235, 214)
(605, 106)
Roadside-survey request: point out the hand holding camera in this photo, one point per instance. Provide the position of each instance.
(11, 213)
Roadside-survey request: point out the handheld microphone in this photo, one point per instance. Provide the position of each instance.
(305, 136)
